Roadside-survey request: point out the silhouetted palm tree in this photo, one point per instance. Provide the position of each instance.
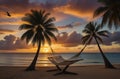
(110, 12)
(85, 41)
(39, 29)
(93, 31)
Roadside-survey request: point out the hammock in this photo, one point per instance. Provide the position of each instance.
(59, 60)
(73, 57)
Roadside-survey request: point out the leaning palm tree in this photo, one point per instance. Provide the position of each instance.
(86, 40)
(93, 31)
(110, 12)
(39, 29)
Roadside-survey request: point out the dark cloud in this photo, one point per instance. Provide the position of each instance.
(17, 6)
(3, 31)
(11, 42)
(113, 38)
(25, 5)
(72, 25)
(116, 37)
(79, 8)
(69, 40)
(83, 5)
(9, 20)
(74, 39)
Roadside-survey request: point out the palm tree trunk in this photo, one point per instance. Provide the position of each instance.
(79, 52)
(106, 61)
(32, 65)
(87, 42)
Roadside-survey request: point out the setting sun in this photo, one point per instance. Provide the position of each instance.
(45, 50)
(42, 39)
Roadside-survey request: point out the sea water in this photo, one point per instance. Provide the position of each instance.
(24, 59)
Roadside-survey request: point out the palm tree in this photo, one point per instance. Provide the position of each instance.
(39, 29)
(92, 30)
(110, 12)
(85, 41)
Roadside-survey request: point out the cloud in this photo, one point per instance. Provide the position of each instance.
(25, 5)
(72, 25)
(74, 39)
(11, 42)
(116, 37)
(83, 5)
(60, 9)
(69, 40)
(113, 38)
(79, 8)
(22, 5)
(5, 31)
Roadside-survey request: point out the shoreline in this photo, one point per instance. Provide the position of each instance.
(84, 72)
(52, 65)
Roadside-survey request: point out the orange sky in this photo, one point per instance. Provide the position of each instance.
(71, 17)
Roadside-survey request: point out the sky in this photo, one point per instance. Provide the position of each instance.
(71, 18)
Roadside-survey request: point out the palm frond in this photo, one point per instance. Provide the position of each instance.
(103, 33)
(35, 41)
(42, 39)
(51, 35)
(89, 40)
(38, 16)
(49, 25)
(87, 31)
(28, 35)
(42, 12)
(45, 17)
(98, 28)
(52, 29)
(28, 20)
(116, 21)
(90, 26)
(110, 22)
(107, 2)
(85, 39)
(100, 11)
(32, 17)
(39, 27)
(110, 13)
(105, 18)
(47, 38)
(50, 20)
(99, 39)
(25, 27)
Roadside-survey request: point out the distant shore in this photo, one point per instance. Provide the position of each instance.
(84, 72)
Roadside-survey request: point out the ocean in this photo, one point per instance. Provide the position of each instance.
(24, 59)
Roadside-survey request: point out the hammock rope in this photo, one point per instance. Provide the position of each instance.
(77, 54)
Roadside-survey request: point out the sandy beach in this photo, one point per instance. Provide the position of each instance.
(84, 72)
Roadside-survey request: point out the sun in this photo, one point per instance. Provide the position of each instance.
(45, 50)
